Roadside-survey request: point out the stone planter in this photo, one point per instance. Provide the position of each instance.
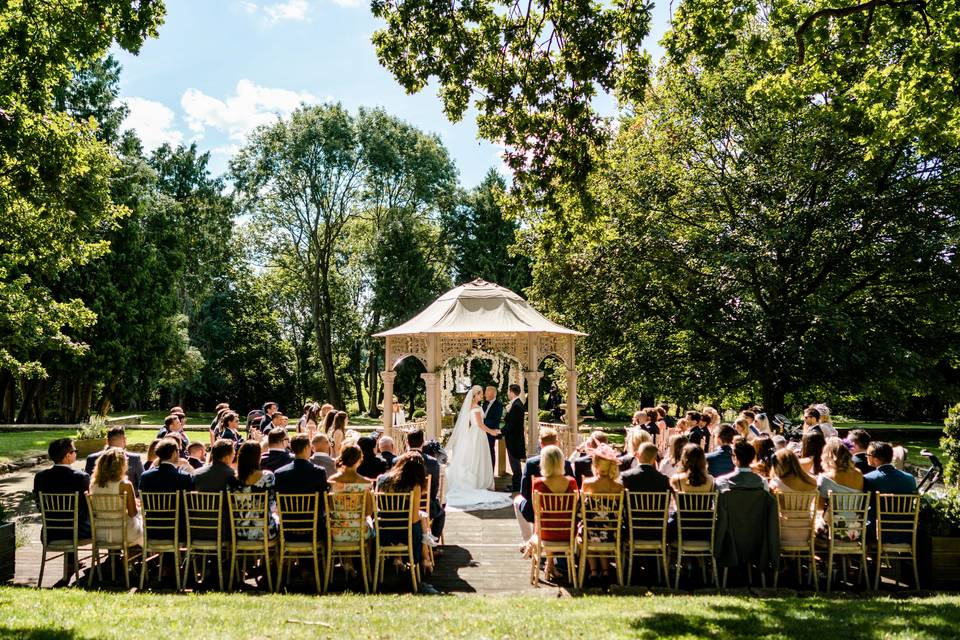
(87, 446)
(8, 551)
(939, 561)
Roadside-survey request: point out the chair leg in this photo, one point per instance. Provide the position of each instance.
(176, 567)
(95, 561)
(233, 570)
(328, 570)
(316, 570)
(813, 571)
(220, 570)
(363, 568)
(876, 580)
(413, 569)
(582, 569)
(916, 573)
(630, 569)
(716, 579)
(676, 586)
(144, 568)
(829, 569)
(126, 568)
(618, 557)
(725, 570)
(43, 562)
(666, 568)
(266, 566)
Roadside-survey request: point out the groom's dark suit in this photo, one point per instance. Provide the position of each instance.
(492, 412)
(513, 438)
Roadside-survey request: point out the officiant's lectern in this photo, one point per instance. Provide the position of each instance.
(480, 317)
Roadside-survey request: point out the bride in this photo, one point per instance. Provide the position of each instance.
(470, 481)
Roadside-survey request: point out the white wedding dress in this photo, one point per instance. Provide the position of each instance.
(470, 481)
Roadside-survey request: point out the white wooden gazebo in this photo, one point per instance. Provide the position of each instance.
(477, 316)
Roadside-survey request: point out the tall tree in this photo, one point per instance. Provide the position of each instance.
(482, 236)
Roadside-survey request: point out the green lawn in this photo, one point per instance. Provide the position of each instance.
(23, 444)
(69, 613)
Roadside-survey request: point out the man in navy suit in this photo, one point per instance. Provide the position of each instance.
(885, 478)
(523, 503)
(117, 437)
(302, 476)
(720, 460)
(276, 455)
(514, 435)
(492, 413)
(438, 516)
(167, 476)
(743, 476)
(860, 441)
(63, 478)
(645, 476)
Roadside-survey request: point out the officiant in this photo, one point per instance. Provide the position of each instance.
(492, 413)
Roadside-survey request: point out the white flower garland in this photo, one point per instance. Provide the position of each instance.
(505, 369)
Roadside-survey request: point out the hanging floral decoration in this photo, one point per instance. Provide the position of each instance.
(505, 370)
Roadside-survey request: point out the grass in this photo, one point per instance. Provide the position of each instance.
(25, 444)
(81, 614)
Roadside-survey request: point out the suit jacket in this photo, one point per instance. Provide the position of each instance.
(582, 468)
(493, 413)
(178, 435)
(513, 430)
(214, 477)
(701, 436)
(652, 429)
(372, 467)
(134, 466)
(63, 479)
(301, 476)
(645, 477)
(720, 461)
(166, 477)
(195, 463)
(433, 470)
(860, 462)
(741, 479)
(531, 470)
(273, 459)
(324, 461)
(388, 457)
(886, 479)
(747, 529)
(627, 461)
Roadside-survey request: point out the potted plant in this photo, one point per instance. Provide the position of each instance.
(8, 546)
(90, 437)
(939, 538)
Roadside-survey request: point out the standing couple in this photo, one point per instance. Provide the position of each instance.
(471, 448)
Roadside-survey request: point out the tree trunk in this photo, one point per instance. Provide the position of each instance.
(29, 389)
(40, 403)
(373, 378)
(598, 412)
(325, 347)
(106, 400)
(773, 397)
(356, 372)
(8, 389)
(647, 401)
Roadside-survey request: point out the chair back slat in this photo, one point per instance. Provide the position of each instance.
(555, 513)
(204, 512)
(847, 516)
(393, 511)
(647, 514)
(108, 517)
(249, 516)
(696, 516)
(161, 515)
(897, 516)
(425, 496)
(298, 514)
(59, 516)
(601, 515)
(798, 514)
(345, 515)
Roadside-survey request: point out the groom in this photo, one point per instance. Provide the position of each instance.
(513, 435)
(492, 412)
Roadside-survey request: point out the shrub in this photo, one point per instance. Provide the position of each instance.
(96, 429)
(419, 413)
(940, 514)
(546, 416)
(950, 444)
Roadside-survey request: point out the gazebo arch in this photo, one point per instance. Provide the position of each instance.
(484, 315)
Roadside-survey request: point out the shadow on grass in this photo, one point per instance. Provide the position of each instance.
(814, 618)
(42, 633)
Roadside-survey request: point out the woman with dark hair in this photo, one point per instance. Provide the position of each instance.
(151, 454)
(691, 475)
(764, 448)
(347, 480)
(372, 465)
(811, 449)
(252, 479)
(335, 426)
(671, 460)
(310, 420)
(409, 474)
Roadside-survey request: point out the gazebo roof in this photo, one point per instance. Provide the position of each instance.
(478, 307)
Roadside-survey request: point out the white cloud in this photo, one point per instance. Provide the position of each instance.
(249, 7)
(237, 115)
(153, 122)
(295, 10)
(350, 3)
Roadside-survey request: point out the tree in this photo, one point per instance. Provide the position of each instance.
(533, 68)
(481, 235)
(757, 244)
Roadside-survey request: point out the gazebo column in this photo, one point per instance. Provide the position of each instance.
(432, 381)
(572, 408)
(533, 409)
(388, 377)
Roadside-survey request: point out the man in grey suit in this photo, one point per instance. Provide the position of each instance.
(743, 476)
(321, 454)
(117, 437)
(218, 475)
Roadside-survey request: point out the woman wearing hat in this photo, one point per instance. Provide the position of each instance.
(606, 479)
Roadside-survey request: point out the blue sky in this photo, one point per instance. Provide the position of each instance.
(221, 67)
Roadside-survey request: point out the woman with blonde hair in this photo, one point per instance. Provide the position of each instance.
(110, 478)
(605, 480)
(787, 476)
(553, 481)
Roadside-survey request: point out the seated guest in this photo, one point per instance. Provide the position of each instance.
(372, 465)
(252, 478)
(786, 474)
(277, 422)
(523, 503)
(554, 481)
(583, 459)
(229, 428)
(151, 456)
(302, 476)
(110, 478)
(321, 454)
(674, 449)
(695, 433)
(409, 475)
(276, 455)
(347, 480)
(218, 475)
(720, 461)
(167, 474)
(117, 438)
(838, 475)
(644, 476)
(196, 453)
(858, 440)
(634, 440)
(742, 426)
(811, 450)
(826, 425)
(763, 461)
(649, 423)
(743, 476)
(63, 478)
(172, 427)
(691, 475)
(885, 478)
(269, 408)
(335, 426)
(387, 449)
(438, 516)
(605, 479)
